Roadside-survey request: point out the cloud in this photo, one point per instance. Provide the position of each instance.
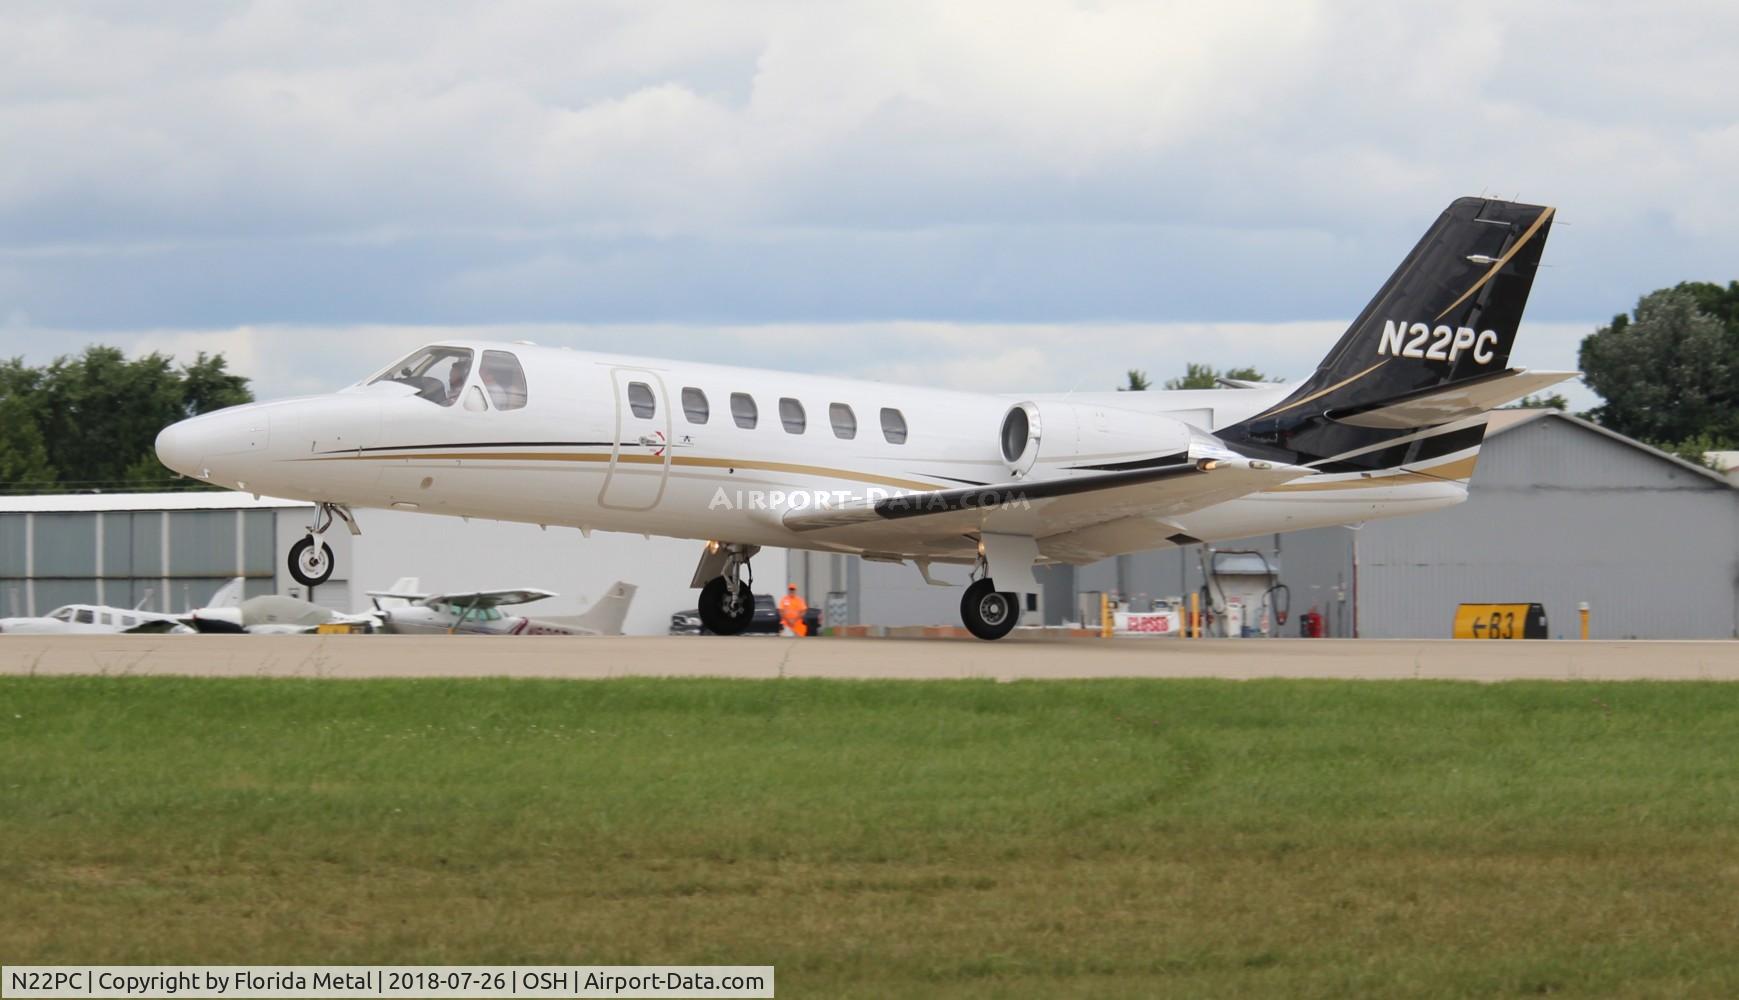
(466, 162)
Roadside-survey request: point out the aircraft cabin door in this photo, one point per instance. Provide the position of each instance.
(640, 460)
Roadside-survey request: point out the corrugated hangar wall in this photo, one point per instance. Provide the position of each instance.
(118, 557)
(1561, 513)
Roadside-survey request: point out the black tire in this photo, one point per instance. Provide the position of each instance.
(713, 615)
(989, 613)
(308, 566)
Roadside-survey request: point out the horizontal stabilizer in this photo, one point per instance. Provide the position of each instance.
(1445, 404)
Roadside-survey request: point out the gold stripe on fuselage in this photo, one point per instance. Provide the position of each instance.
(1450, 472)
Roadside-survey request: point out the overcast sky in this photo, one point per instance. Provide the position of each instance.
(1000, 194)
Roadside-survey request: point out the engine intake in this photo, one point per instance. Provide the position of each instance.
(1045, 438)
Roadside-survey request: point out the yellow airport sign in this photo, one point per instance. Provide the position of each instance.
(1500, 621)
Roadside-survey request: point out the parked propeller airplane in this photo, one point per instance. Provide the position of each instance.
(478, 612)
(95, 619)
(1390, 423)
(105, 619)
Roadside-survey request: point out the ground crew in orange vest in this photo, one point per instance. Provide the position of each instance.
(791, 612)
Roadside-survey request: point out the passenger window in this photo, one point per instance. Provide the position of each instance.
(792, 416)
(695, 406)
(505, 380)
(640, 400)
(893, 425)
(844, 421)
(108, 619)
(85, 617)
(438, 374)
(744, 411)
(129, 621)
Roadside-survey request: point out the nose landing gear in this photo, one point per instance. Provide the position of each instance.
(311, 560)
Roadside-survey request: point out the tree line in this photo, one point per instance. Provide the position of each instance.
(90, 421)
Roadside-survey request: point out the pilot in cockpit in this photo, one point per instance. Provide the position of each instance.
(456, 379)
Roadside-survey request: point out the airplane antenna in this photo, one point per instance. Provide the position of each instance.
(145, 600)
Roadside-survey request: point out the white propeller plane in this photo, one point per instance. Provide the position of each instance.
(105, 619)
(95, 619)
(478, 612)
(1391, 423)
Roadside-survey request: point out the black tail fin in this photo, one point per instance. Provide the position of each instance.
(1448, 314)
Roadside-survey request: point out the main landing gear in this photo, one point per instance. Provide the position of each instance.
(311, 561)
(727, 602)
(987, 612)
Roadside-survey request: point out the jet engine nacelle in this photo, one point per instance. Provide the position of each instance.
(1042, 438)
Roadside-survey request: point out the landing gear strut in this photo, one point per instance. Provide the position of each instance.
(311, 561)
(727, 602)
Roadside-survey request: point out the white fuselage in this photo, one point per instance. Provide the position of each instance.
(422, 619)
(91, 619)
(620, 444)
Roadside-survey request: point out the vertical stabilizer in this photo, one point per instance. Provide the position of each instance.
(1447, 317)
(606, 616)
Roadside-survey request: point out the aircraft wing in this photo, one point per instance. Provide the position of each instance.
(1053, 511)
(157, 626)
(490, 598)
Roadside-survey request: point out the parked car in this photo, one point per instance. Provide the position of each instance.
(765, 622)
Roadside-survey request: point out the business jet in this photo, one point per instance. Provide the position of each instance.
(1390, 423)
(478, 612)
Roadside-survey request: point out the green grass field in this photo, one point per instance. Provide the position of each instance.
(1187, 838)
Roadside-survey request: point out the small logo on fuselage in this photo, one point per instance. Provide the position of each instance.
(1436, 343)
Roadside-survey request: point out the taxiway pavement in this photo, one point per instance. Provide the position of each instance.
(862, 659)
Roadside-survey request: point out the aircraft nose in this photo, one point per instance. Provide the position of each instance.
(220, 446)
(179, 448)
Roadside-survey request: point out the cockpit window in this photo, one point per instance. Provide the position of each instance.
(438, 374)
(472, 614)
(504, 379)
(62, 615)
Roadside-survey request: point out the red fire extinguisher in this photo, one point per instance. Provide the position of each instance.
(1310, 624)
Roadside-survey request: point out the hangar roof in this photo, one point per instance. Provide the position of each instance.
(189, 500)
(1504, 421)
